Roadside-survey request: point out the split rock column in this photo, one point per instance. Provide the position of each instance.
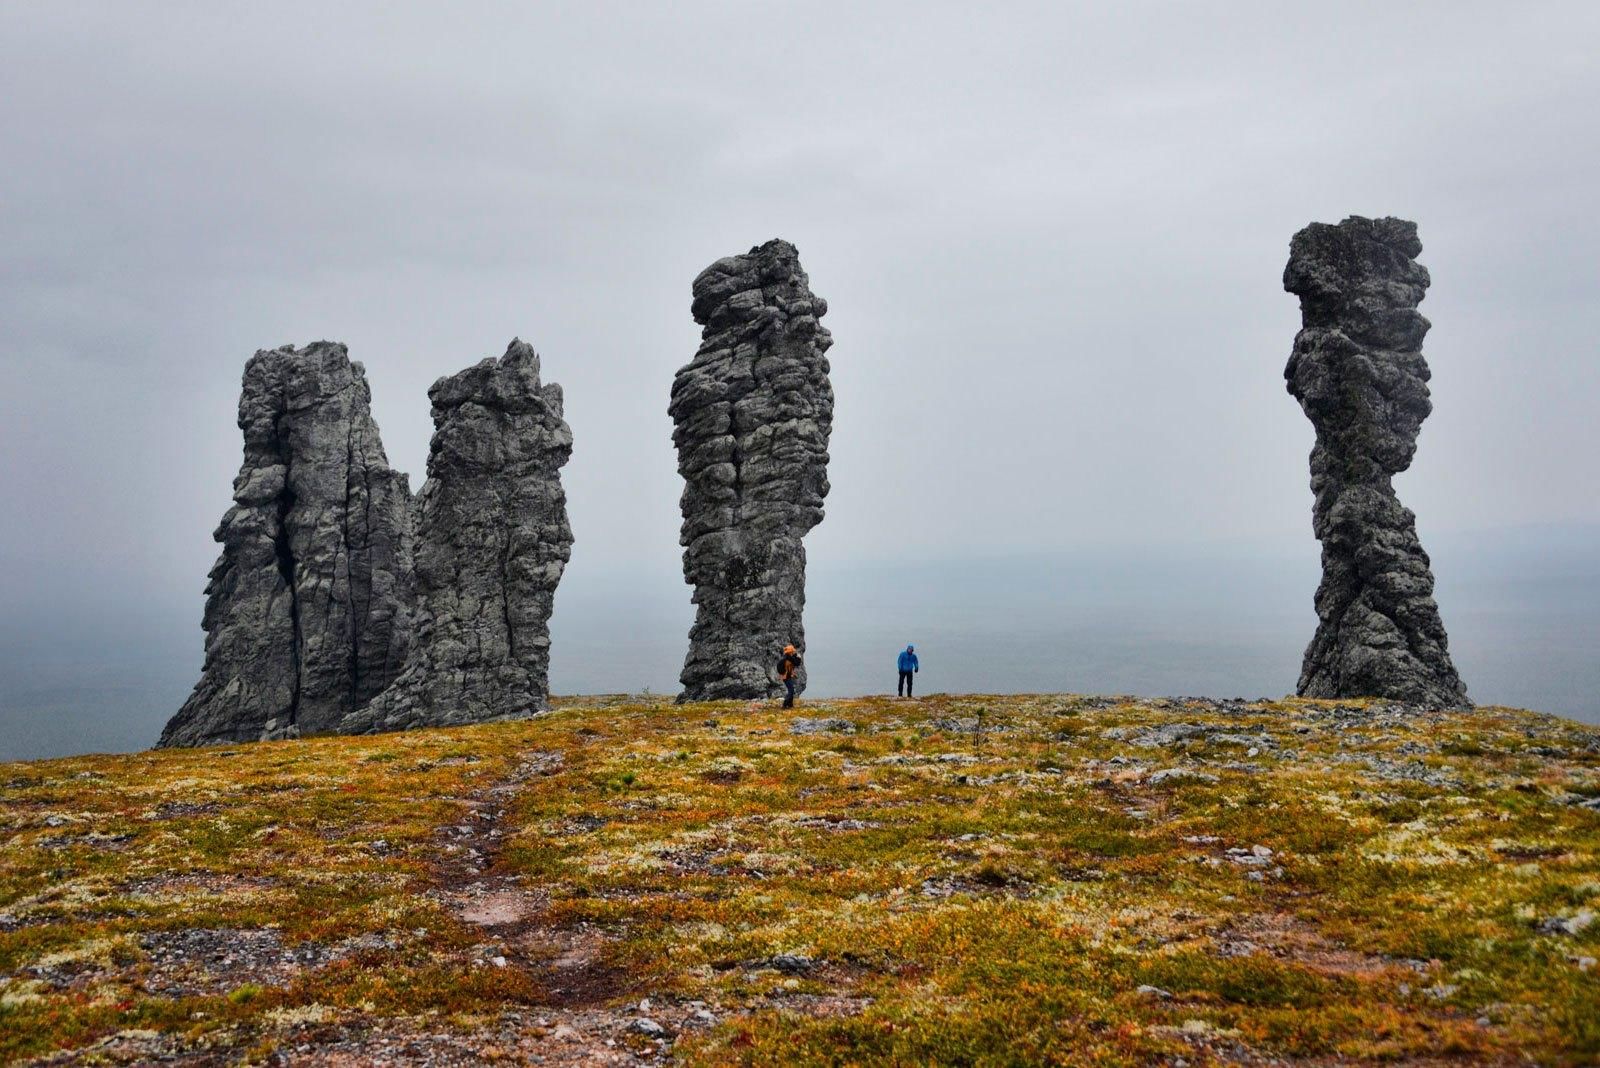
(492, 541)
(307, 611)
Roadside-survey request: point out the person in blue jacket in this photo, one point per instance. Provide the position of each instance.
(908, 668)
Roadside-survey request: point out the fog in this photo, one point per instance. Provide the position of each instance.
(1051, 237)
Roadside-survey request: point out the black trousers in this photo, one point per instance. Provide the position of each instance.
(788, 686)
(904, 685)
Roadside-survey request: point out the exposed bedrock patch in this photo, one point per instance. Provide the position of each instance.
(492, 540)
(307, 611)
(1358, 372)
(752, 412)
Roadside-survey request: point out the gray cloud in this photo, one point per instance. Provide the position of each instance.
(1051, 237)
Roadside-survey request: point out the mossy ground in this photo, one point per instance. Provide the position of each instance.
(946, 880)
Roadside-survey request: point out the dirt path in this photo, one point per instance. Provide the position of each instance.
(590, 1014)
(567, 962)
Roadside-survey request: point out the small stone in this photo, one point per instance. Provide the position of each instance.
(791, 963)
(1170, 734)
(1154, 991)
(821, 726)
(643, 1025)
(1175, 774)
(1260, 851)
(1567, 925)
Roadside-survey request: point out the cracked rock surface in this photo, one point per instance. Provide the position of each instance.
(1358, 372)
(752, 414)
(492, 540)
(307, 611)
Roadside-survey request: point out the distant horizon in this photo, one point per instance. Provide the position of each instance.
(1522, 605)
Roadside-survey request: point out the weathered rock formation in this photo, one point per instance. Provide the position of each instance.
(492, 540)
(1357, 371)
(308, 609)
(753, 411)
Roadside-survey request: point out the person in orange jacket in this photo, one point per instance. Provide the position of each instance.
(788, 672)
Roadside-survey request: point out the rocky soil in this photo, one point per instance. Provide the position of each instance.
(1023, 879)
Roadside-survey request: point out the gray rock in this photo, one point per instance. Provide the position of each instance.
(803, 725)
(791, 963)
(307, 611)
(752, 412)
(1358, 372)
(492, 540)
(1568, 925)
(1254, 741)
(1169, 734)
(1179, 775)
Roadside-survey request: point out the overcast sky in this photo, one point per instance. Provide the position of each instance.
(1051, 238)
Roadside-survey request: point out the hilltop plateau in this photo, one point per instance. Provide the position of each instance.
(972, 879)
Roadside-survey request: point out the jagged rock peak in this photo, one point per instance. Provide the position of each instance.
(1358, 372)
(492, 540)
(752, 413)
(307, 611)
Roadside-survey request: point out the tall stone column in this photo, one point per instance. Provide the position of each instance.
(752, 412)
(1358, 372)
(308, 608)
(492, 541)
